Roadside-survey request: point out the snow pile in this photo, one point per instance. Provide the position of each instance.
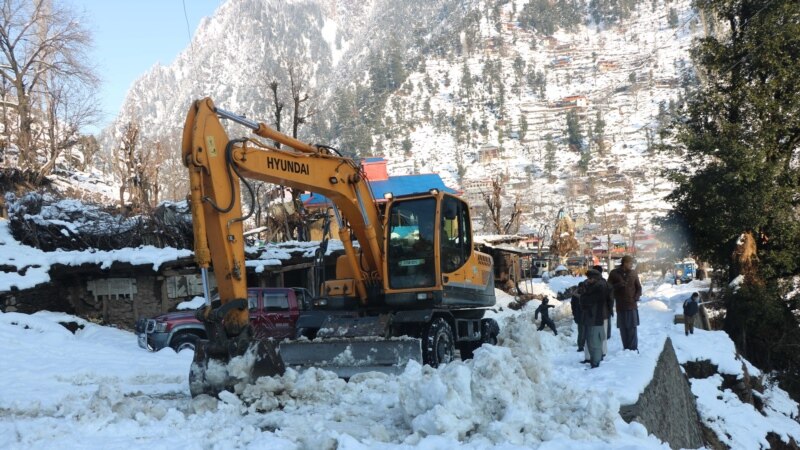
(97, 389)
(506, 394)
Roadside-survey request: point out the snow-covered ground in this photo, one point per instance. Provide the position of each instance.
(97, 389)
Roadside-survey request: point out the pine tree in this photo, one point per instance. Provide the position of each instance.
(574, 133)
(742, 129)
(600, 133)
(549, 156)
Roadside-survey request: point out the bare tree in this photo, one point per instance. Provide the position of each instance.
(67, 107)
(273, 86)
(564, 242)
(42, 47)
(503, 222)
(300, 91)
(126, 160)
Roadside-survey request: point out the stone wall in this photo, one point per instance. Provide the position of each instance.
(667, 408)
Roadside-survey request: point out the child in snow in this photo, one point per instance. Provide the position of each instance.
(690, 308)
(546, 320)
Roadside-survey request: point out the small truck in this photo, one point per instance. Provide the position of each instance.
(273, 314)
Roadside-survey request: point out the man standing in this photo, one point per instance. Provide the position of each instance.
(627, 290)
(594, 311)
(690, 308)
(576, 315)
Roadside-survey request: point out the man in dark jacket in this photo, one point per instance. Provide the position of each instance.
(627, 290)
(594, 311)
(546, 320)
(690, 308)
(610, 314)
(576, 314)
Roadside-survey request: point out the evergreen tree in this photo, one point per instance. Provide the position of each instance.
(574, 133)
(672, 19)
(742, 129)
(523, 127)
(466, 81)
(600, 132)
(549, 156)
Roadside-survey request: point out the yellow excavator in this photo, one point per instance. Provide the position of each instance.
(413, 288)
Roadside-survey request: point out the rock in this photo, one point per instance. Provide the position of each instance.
(668, 396)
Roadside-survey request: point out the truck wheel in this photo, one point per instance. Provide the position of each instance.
(186, 341)
(437, 343)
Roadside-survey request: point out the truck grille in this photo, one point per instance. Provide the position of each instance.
(145, 325)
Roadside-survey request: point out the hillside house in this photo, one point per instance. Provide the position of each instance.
(573, 101)
(561, 61)
(607, 66)
(488, 153)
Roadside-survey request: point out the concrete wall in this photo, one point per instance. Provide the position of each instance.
(667, 408)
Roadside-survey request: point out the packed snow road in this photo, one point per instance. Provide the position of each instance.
(97, 389)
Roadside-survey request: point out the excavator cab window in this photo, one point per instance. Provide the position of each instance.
(455, 240)
(410, 255)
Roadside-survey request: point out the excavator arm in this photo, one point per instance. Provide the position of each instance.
(216, 165)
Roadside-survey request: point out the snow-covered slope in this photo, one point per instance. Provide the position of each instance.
(444, 86)
(97, 389)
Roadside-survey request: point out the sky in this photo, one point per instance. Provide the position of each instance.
(130, 36)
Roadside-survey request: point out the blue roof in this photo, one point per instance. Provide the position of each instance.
(399, 185)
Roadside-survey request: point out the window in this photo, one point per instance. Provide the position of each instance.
(456, 235)
(411, 239)
(276, 302)
(252, 301)
(120, 289)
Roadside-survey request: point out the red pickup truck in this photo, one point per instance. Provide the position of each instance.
(273, 313)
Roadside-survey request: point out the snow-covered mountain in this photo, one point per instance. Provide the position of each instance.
(468, 89)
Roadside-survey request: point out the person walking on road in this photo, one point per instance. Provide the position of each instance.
(627, 291)
(690, 308)
(546, 320)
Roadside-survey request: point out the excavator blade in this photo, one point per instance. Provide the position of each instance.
(347, 357)
(215, 370)
(348, 345)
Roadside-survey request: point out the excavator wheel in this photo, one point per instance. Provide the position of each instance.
(438, 343)
(489, 331)
(213, 372)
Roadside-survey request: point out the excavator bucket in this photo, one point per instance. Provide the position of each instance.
(215, 370)
(349, 345)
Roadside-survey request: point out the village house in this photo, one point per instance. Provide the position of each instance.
(120, 292)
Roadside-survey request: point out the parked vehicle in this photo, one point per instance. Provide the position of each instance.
(685, 271)
(273, 314)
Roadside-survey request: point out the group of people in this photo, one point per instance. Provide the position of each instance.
(596, 301)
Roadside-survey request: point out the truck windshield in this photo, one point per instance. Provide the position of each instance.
(410, 255)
